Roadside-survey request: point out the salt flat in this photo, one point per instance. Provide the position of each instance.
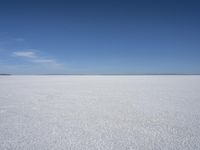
(100, 112)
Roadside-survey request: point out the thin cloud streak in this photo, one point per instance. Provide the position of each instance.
(27, 54)
(34, 58)
(44, 61)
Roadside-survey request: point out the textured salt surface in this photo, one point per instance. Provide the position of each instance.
(100, 112)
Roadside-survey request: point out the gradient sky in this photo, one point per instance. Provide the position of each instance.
(99, 37)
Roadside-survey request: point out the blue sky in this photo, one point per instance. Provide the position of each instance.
(99, 37)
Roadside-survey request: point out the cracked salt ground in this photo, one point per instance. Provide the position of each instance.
(100, 112)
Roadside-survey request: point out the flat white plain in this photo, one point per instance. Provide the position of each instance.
(100, 112)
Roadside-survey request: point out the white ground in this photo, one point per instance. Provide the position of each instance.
(100, 112)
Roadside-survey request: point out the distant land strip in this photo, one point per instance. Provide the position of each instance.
(4, 74)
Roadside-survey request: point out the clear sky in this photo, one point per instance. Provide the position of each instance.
(99, 37)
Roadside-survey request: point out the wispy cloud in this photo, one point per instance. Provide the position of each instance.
(27, 54)
(44, 61)
(52, 62)
(35, 58)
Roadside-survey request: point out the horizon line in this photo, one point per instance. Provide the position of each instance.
(122, 74)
